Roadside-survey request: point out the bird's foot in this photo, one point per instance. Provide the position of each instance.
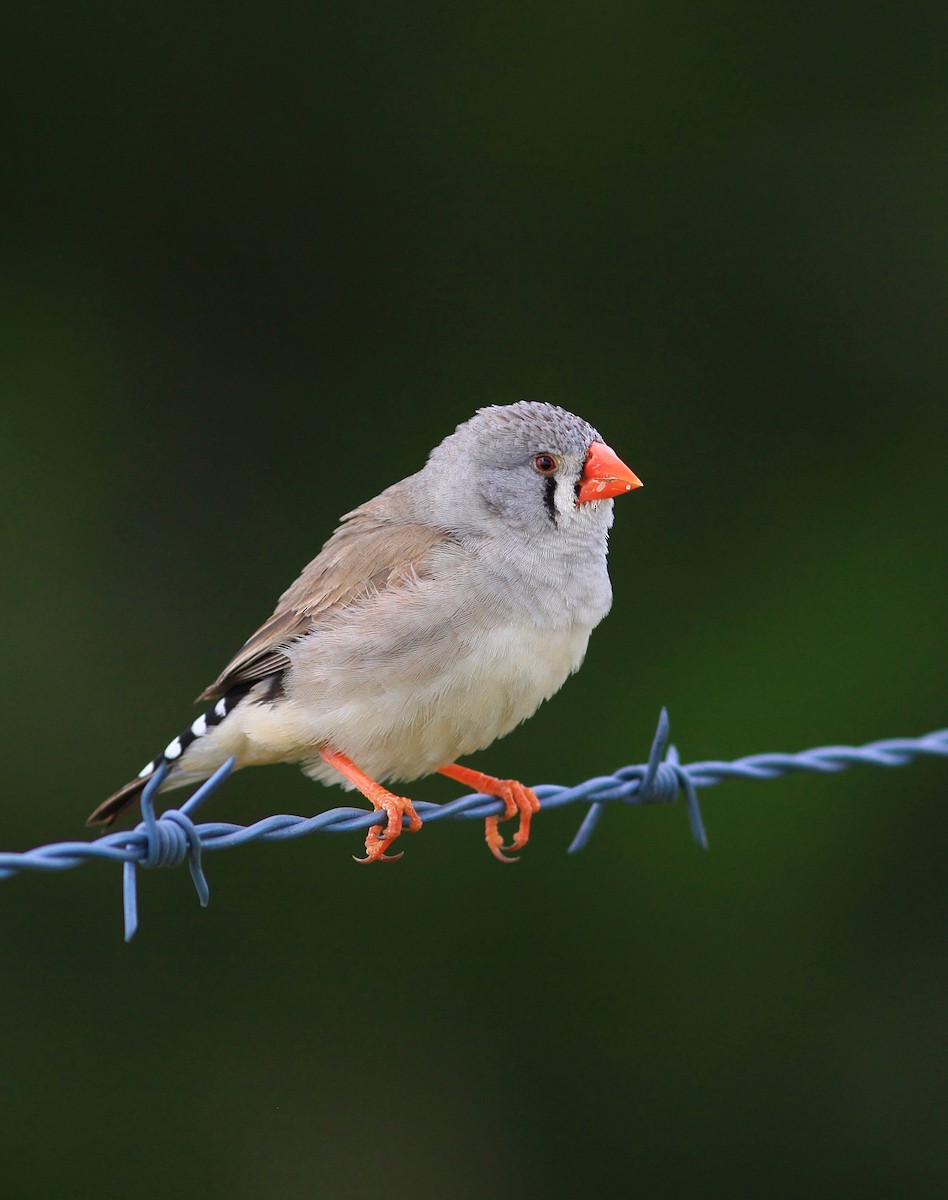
(517, 798)
(396, 808)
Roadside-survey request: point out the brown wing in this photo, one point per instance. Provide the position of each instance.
(365, 554)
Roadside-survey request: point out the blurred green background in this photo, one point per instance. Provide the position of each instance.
(258, 259)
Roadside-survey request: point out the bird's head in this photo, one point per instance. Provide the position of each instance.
(534, 466)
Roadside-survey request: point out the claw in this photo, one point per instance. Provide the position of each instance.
(376, 851)
(495, 841)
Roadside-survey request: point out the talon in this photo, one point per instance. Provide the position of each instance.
(369, 858)
(495, 841)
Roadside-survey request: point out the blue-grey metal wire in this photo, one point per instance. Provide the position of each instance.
(173, 837)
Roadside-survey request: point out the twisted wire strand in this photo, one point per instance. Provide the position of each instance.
(173, 837)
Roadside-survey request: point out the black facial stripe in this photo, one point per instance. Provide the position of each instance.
(549, 496)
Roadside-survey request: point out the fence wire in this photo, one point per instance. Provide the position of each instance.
(173, 837)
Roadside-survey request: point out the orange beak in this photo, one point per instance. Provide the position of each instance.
(605, 475)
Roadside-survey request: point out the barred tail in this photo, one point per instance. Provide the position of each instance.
(117, 803)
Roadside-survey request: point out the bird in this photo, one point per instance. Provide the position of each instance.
(437, 617)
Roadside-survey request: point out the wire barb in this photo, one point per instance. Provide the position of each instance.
(168, 841)
(173, 837)
(658, 782)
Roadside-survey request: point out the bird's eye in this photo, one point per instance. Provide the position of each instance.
(545, 464)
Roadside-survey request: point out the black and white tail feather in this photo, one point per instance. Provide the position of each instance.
(110, 809)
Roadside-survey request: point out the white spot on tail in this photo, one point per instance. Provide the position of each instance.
(199, 728)
(146, 770)
(173, 749)
(220, 708)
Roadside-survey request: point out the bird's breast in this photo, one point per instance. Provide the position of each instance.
(439, 708)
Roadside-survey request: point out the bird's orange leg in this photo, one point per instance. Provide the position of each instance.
(394, 807)
(516, 798)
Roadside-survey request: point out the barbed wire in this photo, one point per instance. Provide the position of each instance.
(173, 837)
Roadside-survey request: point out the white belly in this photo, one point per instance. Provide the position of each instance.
(411, 729)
